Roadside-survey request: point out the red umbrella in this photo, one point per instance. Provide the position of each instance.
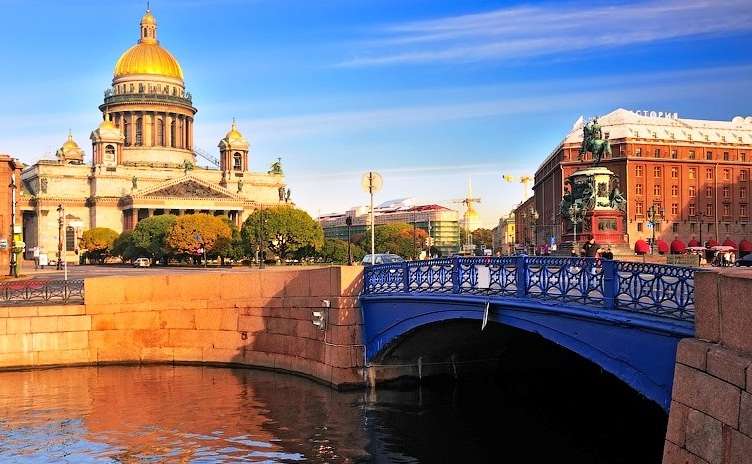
(641, 247)
(745, 246)
(677, 246)
(729, 242)
(693, 243)
(712, 243)
(662, 246)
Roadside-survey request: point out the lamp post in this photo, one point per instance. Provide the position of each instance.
(13, 270)
(575, 216)
(700, 215)
(348, 221)
(262, 241)
(655, 216)
(60, 228)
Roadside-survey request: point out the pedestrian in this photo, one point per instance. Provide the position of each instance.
(608, 254)
(590, 249)
(35, 252)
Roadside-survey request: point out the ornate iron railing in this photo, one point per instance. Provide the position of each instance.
(658, 290)
(26, 292)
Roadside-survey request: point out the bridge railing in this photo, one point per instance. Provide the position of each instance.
(660, 290)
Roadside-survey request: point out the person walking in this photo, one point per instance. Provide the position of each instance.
(35, 253)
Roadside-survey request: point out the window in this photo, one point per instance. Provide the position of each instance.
(692, 191)
(692, 173)
(727, 174)
(657, 171)
(674, 208)
(743, 210)
(674, 172)
(726, 192)
(708, 191)
(638, 189)
(657, 153)
(109, 150)
(638, 151)
(726, 210)
(674, 190)
(657, 190)
(674, 227)
(709, 173)
(140, 88)
(742, 157)
(237, 162)
(691, 154)
(70, 238)
(639, 227)
(742, 192)
(130, 87)
(673, 154)
(638, 207)
(725, 156)
(709, 155)
(708, 210)
(692, 228)
(139, 132)
(160, 133)
(638, 171)
(691, 209)
(707, 228)
(127, 133)
(172, 134)
(743, 174)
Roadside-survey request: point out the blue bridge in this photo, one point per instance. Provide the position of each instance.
(626, 317)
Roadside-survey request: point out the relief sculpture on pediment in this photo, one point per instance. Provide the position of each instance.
(188, 189)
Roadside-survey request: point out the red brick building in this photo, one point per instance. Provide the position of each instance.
(524, 223)
(8, 166)
(697, 172)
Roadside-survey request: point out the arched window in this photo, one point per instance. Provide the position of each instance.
(172, 134)
(160, 132)
(237, 162)
(139, 132)
(141, 88)
(109, 150)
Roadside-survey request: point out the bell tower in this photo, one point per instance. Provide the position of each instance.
(107, 144)
(233, 151)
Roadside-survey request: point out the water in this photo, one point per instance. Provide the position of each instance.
(202, 414)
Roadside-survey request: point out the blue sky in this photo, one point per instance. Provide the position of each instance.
(427, 92)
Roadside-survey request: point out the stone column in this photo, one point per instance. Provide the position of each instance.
(151, 212)
(148, 134)
(168, 130)
(190, 133)
(132, 129)
(134, 218)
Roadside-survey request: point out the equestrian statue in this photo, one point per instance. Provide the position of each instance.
(593, 142)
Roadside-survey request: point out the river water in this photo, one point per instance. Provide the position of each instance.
(205, 414)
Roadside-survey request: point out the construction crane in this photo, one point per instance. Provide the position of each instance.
(468, 201)
(524, 180)
(203, 154)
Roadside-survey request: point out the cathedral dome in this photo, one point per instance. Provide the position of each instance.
(147, 56)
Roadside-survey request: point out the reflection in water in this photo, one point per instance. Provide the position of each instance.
(202, 414)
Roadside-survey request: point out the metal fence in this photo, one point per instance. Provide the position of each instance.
(37, 291)
(659, 290)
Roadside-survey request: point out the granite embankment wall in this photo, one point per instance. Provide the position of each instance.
(253, 318)
(711, 410)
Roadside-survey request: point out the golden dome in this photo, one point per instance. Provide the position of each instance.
(234, 133)
(148, 58)
(70, 143)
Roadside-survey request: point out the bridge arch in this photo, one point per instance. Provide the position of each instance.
(639, 351)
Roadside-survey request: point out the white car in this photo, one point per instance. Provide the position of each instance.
(141, 262)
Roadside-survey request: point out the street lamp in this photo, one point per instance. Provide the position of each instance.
(13, 271)
(655, 216)
(262, 241)
(348, 221)
(575, 216)
(700, 216)
(60, 228)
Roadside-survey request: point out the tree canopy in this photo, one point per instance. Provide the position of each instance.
(335, 251)
(283, 230)
(192, 232)
(483, 238)
(98, 242)
(150, 236)
(396, 238)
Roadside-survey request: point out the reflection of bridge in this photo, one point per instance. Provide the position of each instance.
(626, 317)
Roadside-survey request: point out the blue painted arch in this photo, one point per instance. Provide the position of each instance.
(639, 350)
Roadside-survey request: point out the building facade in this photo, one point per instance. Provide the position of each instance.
(524, 224)
(143, 160)
(695, 173)
(504, 234)
(10, 173)
(440, 223)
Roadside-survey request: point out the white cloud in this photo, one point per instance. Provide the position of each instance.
(557, 28)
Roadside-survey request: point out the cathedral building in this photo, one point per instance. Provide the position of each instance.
(143, 160)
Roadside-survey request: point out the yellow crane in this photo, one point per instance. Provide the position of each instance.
(524, 180)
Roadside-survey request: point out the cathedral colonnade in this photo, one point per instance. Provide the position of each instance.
(154, 128)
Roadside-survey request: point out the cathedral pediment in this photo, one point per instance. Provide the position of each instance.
(187, 188)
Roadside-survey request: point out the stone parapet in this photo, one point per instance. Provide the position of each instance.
(255, 318)
(711, 409)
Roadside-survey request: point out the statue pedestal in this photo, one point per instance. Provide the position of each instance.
(606, 226)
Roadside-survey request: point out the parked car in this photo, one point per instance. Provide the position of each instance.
(381, 258)
(745, 261)
(141, 262)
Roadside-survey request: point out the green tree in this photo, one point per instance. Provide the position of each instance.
(192, 232)
(335, 251)
(283, 229)
(123, 246)
(396, 238)
(232, 248)
(149, 238)
(98, 242)
(483, 238)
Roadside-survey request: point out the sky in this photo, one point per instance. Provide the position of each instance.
(429, 93)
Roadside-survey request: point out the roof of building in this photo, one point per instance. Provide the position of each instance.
(148, 57)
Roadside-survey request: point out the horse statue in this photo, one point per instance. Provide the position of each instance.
(593, 142)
